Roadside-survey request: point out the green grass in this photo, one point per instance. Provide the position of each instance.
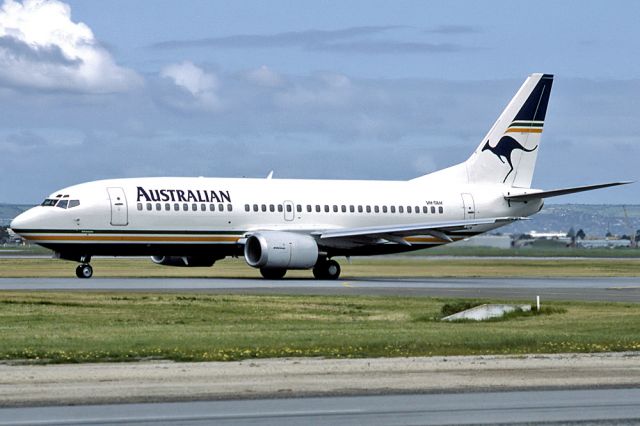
(402, 266)
(77, 327)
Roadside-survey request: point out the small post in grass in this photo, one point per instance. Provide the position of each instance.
(538, 303)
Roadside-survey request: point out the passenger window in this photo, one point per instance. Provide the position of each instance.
(263, 207)
(384, 209)
(220, 207)
(352, 208)
(280, 209)
(326, 208)
(440, 209)
(229, 207)
(185, 207)
(194, 207)
(400, 209)
(359, 209)
(417, 209)
(317, 208)
(425, 209)
(289, 209)
(203, 207)
(298, 208)
(139, 206)
(167, 206)
(433, 209)
(247, 207)
(212, 207)
(176, 206)
(368, 209)
(393, 209)
(255, 207)
(343, 208)
(272, 208)
(309, 208)
(408, 209)
(74, 203)
(62, 204)
(158, 207)
(376, 209)
(149, 206)
(335, 208)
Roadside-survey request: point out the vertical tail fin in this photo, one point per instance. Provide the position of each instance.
(509, 151)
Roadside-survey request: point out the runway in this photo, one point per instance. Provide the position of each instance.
(608, 406)
(615, 289)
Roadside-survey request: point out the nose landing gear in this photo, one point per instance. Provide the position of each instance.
(84, 271)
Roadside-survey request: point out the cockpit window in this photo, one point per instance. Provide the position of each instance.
(49, 202)
(74, 203)
(62, 204)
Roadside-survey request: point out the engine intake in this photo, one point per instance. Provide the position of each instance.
(278, 249)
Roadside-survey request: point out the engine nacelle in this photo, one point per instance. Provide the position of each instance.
(184, 260)
(279, 249)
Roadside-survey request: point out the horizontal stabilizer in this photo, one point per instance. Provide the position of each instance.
(555, 192)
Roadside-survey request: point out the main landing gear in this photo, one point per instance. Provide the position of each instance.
(326, 269)
(84, 270)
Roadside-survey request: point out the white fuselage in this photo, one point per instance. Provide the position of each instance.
(180, 216)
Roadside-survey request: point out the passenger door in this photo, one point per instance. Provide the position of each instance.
(469, 206)
(119, 213)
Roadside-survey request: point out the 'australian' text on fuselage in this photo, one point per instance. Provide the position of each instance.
(202, 196)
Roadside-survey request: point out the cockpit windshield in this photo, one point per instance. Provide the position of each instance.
(61, 203)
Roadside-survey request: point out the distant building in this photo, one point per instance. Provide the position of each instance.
(494, 241)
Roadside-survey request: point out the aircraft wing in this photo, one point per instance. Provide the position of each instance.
(536, 194)
(396, 233)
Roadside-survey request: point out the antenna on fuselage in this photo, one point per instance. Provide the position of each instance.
(270, 175)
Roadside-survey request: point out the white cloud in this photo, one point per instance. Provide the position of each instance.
(201, 85)
(265, 76)
(42, 48)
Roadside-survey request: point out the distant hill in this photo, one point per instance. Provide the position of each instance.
(9, 211)
(594, 219)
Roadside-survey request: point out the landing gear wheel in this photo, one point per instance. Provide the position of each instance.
(84, 271)
(273, 273)
(327, 270)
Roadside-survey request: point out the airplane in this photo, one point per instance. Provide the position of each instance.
(283, 224)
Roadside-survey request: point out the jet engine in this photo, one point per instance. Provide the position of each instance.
(282, 250)
(184, 260)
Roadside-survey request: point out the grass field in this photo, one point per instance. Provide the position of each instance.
(401, 266)
(77, 327)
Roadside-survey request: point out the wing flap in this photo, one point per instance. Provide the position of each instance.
(436, 229)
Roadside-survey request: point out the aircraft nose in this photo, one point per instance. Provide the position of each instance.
(23, 221)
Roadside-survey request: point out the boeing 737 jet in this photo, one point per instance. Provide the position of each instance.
(282, 224)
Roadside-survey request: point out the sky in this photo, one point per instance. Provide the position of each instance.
(309, 89)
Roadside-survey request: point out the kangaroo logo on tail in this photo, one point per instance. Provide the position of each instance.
(504, 148)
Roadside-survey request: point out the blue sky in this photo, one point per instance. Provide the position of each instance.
(363, 90)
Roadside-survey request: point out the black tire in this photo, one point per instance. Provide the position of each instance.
(332, 270)
(319, 270)
(84, 271)
(327, 270)
(273, 273)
